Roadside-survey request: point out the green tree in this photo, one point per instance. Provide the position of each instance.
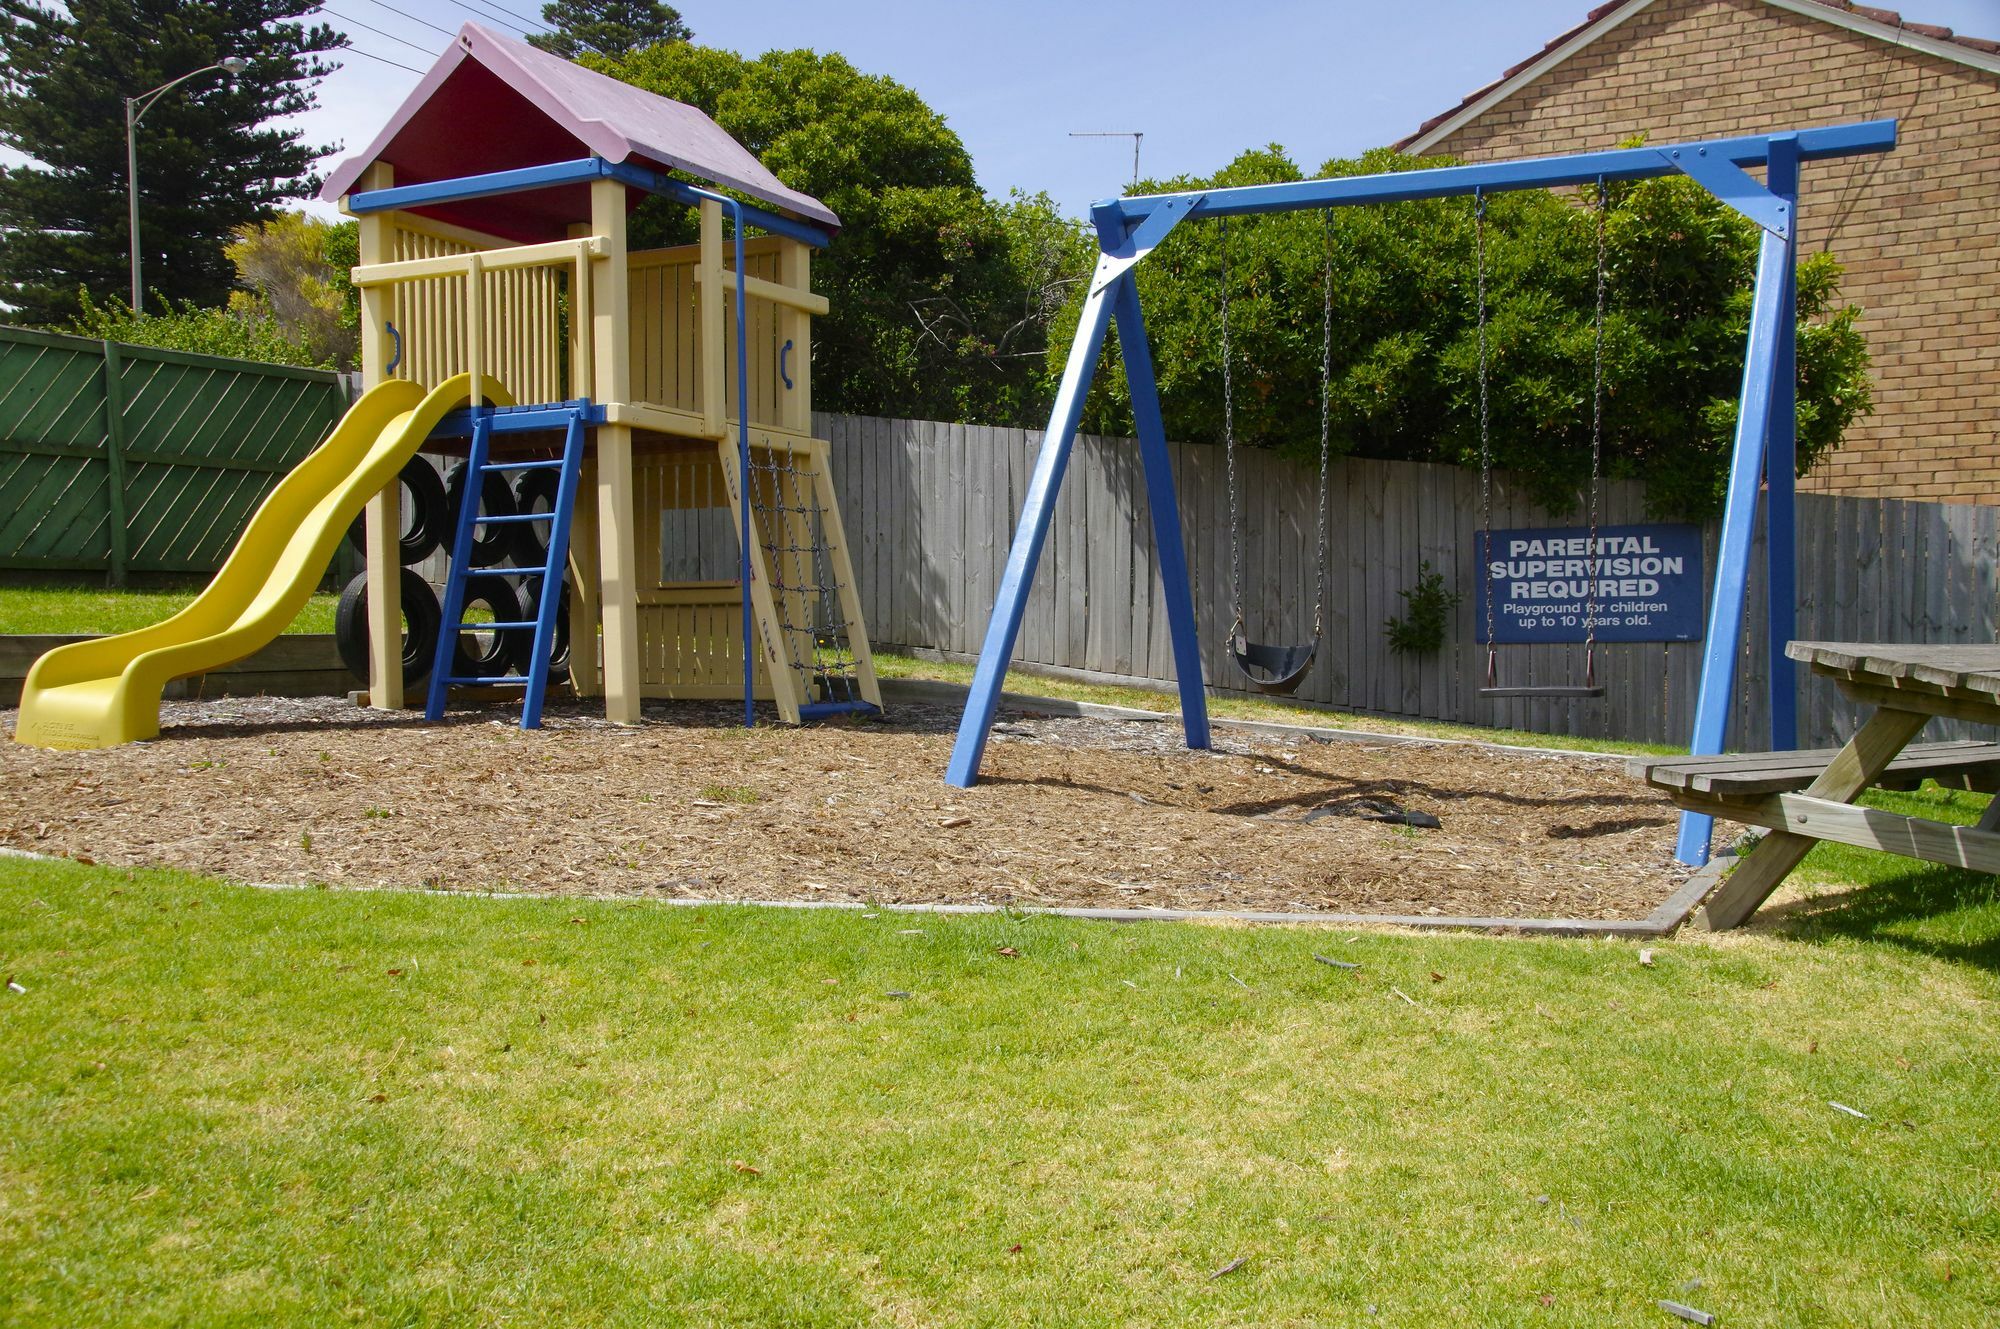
(925, 278)
(294, 270)
(610, 28)
(1404, 379)
(209, 161)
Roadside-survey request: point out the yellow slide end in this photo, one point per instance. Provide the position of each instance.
(97, 694)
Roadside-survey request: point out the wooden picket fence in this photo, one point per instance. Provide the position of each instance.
(930, 509)
(119, 459)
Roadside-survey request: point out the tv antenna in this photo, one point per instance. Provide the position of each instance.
(1133, 134)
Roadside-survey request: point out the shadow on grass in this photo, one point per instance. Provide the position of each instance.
(1943, 912)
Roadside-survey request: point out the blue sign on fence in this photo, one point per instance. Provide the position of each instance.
(1649, 584)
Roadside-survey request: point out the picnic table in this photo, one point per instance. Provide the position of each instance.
(1808, 796)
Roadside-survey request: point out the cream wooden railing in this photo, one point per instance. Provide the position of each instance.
(460, 307)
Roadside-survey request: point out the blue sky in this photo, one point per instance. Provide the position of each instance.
(1202, 81)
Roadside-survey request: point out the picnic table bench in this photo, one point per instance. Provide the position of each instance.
(1807, 796)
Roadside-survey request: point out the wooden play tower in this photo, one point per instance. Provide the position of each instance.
(493, 217)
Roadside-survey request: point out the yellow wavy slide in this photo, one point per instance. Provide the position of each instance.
(97, 694)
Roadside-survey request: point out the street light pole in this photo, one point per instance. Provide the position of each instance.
(134, 108)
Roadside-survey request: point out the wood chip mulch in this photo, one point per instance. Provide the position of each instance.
(1071, 812)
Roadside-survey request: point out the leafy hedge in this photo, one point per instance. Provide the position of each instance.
(1404, 378)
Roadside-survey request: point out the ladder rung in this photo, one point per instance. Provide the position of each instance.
(514, 517)
(521, 465)
(497, 627)
(485, 680)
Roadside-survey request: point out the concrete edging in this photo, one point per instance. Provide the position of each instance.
(1667, 917)
(1662, 921)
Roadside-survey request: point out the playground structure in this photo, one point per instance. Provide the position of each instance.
(1763, 453)
(506, 319)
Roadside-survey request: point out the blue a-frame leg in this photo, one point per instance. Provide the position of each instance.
(1110, 294)
(1755, 422)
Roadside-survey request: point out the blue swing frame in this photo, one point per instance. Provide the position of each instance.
(1764, 450)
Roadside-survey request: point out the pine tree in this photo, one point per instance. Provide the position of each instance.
(209, 161)
(612, 28)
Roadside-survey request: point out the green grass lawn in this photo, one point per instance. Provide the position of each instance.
(73, 609)
(234, 1106)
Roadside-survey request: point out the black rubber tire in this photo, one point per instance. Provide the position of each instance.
(490, 544)
(525, 645)
(534, 491)
(421, 617)
(503, 648)
(425, 514)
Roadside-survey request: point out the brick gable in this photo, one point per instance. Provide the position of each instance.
(1919, 229)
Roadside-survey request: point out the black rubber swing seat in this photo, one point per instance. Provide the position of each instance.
(1274, 669)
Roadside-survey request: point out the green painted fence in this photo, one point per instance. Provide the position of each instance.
(121, 459)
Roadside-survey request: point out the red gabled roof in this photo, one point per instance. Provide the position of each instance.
(1886, 17)
(491, 103)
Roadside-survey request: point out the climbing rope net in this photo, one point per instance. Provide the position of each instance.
(792, 526)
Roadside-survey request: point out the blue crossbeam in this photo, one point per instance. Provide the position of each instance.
(1868, 136)
(532, 419)
(582, 170)
(654, 182)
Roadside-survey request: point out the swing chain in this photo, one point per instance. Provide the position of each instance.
(1596, 449)
(1325, 415)
(1229, 449)
(1485, 441)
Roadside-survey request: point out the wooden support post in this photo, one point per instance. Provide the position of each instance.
(713, 294)
(582, 370)
(1852, 771)
(617, 523)
(795, 327)
(842, 567)
(384, 519)
(586, 662)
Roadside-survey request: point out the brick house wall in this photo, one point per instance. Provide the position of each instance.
(1918, 229)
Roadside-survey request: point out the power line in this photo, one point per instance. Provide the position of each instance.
(511, 13)
(446, 32)
(505, 17)
(382, 59)
(331, 12)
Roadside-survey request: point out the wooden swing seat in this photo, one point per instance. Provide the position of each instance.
(1557, 691)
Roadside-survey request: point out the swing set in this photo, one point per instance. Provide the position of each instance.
(1763, 452)
(1279, 669)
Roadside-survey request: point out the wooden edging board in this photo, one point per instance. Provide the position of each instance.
(292, 665)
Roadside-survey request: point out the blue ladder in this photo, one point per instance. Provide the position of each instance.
(548, 594)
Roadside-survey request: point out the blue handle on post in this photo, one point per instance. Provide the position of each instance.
(397, 358)
(784, 351)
